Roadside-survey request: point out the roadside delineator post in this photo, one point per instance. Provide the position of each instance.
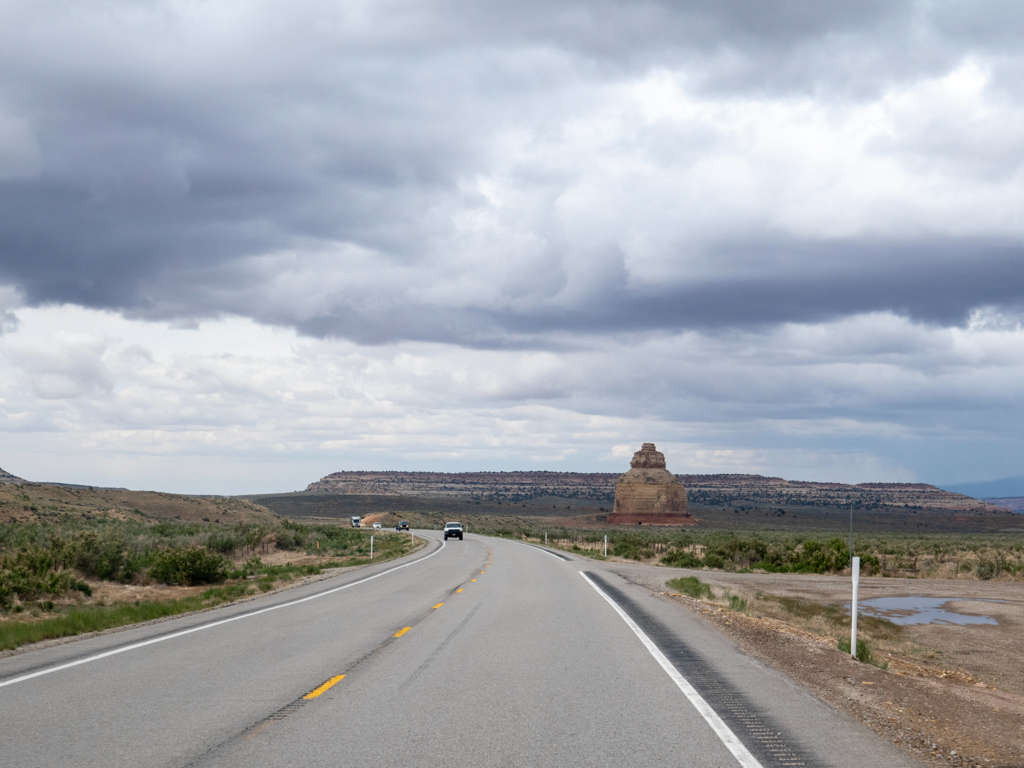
(371, 547)
(855, 571)
(545, 538)
(606, 546)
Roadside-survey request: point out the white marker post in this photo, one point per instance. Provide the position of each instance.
(855, 570)
(545, 538)
(606, 546)
(371, 547)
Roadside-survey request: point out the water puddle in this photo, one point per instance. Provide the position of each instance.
(919, 610)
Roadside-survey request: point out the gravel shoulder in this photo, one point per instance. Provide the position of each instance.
(952, 695)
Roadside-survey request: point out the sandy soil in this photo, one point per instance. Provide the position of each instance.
(955, 697)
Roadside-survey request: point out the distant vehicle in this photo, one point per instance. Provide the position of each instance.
(376, 525)
(403, 525)
(451, 530)
(355, 521)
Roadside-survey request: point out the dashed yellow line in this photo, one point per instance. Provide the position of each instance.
(472, 580)
(401, 632)
(326, 686)
(459, 590)
(438, 606)
(481, 571)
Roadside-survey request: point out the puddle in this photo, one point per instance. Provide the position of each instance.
(918, 610)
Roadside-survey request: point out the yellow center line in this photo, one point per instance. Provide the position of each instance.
(459, 590)
(401, 632)
(438, 606)
(330, 683)
(472, 580)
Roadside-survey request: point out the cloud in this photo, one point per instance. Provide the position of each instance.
(488, 175)
(785, 234)
(864, 398)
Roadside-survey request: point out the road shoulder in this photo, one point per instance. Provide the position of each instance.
(936, 720)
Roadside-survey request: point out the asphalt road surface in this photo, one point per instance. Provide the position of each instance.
(483, 652)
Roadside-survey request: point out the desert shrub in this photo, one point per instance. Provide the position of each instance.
(714, 560)
(679, 558)
(291, 535)
(737, 603)
(864, 652)
(224, 541)
(632, 547)
(28, 574)
(187, 567)
(692, 586)
(103, 557)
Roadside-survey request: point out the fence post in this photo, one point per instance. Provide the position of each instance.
(855, 572)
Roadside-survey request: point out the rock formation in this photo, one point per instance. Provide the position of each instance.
(649, 494)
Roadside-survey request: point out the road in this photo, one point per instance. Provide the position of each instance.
(483, 652)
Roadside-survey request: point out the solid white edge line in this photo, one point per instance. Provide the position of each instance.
(213, 624)
(722, 730)
(545, 551)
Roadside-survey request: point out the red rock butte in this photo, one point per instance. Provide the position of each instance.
(648, 494)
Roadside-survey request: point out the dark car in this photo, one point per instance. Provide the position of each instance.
(403, 525)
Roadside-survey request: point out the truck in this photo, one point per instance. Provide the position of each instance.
(452, 530)
(355, 521)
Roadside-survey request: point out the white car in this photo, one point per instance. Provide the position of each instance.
(376, 525)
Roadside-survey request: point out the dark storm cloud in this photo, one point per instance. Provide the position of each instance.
(856, 279)
(173, 146)
(937, 283)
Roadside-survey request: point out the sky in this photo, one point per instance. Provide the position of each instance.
(243, 245)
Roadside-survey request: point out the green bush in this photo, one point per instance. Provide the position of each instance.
(28, 574)
(186, 567)
(984, 570)
(734, 553)
(714, 560)
(224, 541)
(737, 603)
(102, 557)
(692, 586)
(632, 547)
(679, 558)
(863, 650)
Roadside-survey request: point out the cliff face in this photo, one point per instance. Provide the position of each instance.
(648, 494)
(496, 486)
(7, 477)
(702, 491)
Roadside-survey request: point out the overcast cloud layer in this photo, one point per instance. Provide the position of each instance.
(781, 237)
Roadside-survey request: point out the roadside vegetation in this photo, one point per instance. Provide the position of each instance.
(939, 555)
(823, 620)
(52, 574)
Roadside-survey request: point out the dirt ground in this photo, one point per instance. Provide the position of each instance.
(952, 694)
